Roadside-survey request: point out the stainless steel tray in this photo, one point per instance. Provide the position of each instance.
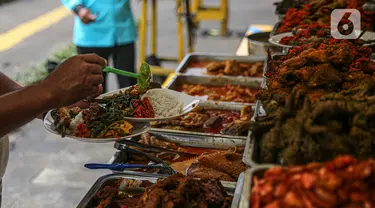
(85, 203)
(275, 28)
(254, 83)
(245, 190)
(214, 143)
(213, 81)
(199, 136)
(250, 153)
(238, 191)
(191, 57)
(87, 200)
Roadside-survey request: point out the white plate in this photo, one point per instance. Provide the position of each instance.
(190, 103)
(138, 129)
(275, 40)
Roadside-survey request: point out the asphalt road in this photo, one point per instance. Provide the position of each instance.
(47, 171)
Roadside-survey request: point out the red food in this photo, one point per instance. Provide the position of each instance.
(320, 11)
(342, 182)
(82, 131)
(143, 108)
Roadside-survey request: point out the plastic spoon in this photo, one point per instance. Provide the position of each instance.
(143, 78)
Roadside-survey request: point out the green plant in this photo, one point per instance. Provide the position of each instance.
(39, 71)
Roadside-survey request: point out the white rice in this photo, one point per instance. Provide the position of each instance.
(164, 104)
(75, 121)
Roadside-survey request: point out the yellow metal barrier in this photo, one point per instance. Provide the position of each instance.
(212, 13)
(143, 34)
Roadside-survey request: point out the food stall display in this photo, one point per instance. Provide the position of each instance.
(294, 129)
(315, 95)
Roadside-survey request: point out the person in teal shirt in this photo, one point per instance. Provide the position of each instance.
(107, 28)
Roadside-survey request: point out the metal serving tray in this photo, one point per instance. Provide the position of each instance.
(244, 191)
(85, 203)
(275, 28)
(200, 71)
(87, 200)
(176, 81)
(250, 153)
(217, 143)
(194, 137)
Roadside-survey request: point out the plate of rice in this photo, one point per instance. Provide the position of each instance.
(155, 105)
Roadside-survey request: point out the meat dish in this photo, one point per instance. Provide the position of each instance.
(174, 191)
(231, 68)
(228, 67)
(319, 11)
(319, 104)
(222, 165)
(307, 33)
(342, 182)
(180, 191)
(283, 6)
(227, 93)
(317, 68)
(110, 194)
(204, 120)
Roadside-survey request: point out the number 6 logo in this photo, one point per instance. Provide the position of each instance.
(345, 23)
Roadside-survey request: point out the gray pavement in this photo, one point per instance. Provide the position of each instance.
(47, 171)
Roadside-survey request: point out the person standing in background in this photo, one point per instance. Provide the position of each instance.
(107, 28)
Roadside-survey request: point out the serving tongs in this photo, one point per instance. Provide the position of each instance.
(164, 168)
(125, 144)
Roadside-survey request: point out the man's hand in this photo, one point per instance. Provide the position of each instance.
(86, 16)
(75, 79)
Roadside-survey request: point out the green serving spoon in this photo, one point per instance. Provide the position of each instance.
(143, 78)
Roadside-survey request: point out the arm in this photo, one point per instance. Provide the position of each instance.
(71, 4)
(80, 10)
(7, 85)
(21, 106)
(73, 80)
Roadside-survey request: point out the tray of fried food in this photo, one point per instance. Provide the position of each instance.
(209, 120)
(341, 182)
(316, 115)
(119, 190)
(221, 89)
(190, 157)
(203, 64)
(320, 12)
